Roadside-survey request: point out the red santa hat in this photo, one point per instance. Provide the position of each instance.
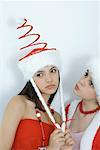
(39, 57)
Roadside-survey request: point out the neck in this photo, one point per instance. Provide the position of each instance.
(89, 104)
(46, 97)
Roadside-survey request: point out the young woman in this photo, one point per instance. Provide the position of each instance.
(29, 122)
(85, 114)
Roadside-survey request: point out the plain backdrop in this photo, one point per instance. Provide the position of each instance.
(70, 26)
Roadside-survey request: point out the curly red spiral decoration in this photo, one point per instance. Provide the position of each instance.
(34, 50)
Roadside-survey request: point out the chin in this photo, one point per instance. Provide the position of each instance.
(51, 91)
(75, 91)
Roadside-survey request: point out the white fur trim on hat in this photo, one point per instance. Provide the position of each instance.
(94, 69)
(32, 64)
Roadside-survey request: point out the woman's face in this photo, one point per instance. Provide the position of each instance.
(85, 88)
(47, 80)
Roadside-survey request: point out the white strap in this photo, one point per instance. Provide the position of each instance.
(44, 104)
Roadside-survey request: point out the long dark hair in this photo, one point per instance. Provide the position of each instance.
(31, 95)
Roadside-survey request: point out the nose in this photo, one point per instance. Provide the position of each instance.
(82, 81)
(48, 77)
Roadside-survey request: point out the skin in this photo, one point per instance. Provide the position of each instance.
(47, 80)
(86, 90)
(20, 108)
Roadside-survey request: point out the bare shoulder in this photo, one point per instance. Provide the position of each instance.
(17, 105)
(13, 114)
(17, 101)
(58, 117)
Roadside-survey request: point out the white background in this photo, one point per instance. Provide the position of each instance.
(70, 26)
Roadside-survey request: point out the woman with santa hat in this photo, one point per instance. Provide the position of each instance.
(85, 113)
(29, 122)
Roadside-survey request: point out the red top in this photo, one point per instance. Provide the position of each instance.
(96, 141)
(28, 135)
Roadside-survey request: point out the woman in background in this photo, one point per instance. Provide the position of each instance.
(85, 113)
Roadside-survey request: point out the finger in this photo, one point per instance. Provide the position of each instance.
(68, 135)
(56, 131)
(67, 131)
(70, 141)
(60, 140)
(59, 135)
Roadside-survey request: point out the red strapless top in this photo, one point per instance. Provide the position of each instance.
(28, 135)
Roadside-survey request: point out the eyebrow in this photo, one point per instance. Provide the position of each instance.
(53, 68)
(41, 71)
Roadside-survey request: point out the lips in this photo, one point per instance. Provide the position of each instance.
(50, 86)
(76, 87)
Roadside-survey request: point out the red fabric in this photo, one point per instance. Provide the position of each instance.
(96, 141)
(67, 109)
(28, 135)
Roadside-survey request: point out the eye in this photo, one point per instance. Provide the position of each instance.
(53, 70)
(91, 83)
(39, 74)
(86, 73)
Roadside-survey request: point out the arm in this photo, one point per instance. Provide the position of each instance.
(12, 116)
